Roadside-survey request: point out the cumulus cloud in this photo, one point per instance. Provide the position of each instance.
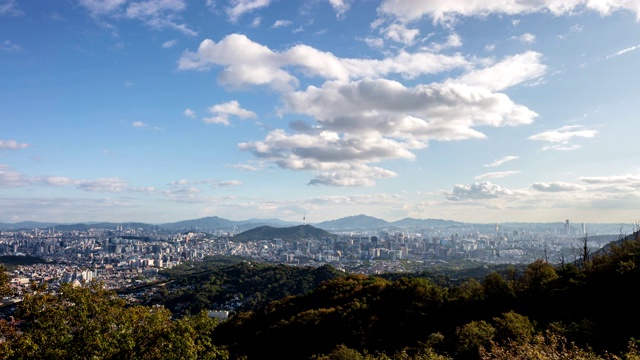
(561, 137)
(238, 8)
(477, 191)
(453, 41)
(355, 176)
(340, 7)
(498, 162)
(221, 113)
(495, 175)
(341, 160)
(363, 118)
(448, 111)
(447, 11)
(527, 38)
(400, 33)
(189, 113)
(281, 23)
(169, 44)
(557, 186)
(246, 62)
(12, 145)
(162, 14)
(143, 125)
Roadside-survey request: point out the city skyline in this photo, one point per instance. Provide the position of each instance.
(159, 111)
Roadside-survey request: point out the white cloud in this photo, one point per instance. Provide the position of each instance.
(633, 180)
(374, 42)
(358, 176)
(400, 33)
(241, 7)
(562, 147)
(10, 178)
(447, 111)
(248, 63)
(557, 186)
(232, 108)
(227, 183)
(495, 175)
(10, 8)
(453, 41)
(363, 118)
(99, 7)
(212, 182)
(498, 162)
(157, 14)
(12, 145)
(624, 51)
(143, 125)
(103, 185)
(340, 6)
(246, 167)
(189, 113)
(281, 23)
(564, 134)
(219, 119)
(511, 71)
(223, 111)
(526, 38)
(256, 22)
(10, 47)
(477, 191)
(447, 11)
(340, 160)
(169, 44)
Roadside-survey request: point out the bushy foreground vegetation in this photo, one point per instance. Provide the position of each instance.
(586, 310)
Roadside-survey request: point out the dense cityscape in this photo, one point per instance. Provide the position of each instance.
(125, 257)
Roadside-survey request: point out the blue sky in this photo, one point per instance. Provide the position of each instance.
(478, 111)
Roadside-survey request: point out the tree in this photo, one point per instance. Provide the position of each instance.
(90, 322)
(513, 327)
(474, 336)
(5, 279)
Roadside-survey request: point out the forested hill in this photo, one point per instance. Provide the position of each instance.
(539, 313)
(299, 232)
(582, 311)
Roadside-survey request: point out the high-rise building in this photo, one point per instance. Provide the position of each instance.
(567, 228)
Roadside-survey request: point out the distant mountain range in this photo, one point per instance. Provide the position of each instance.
(205, 224)
(286, 233)
(349, 223)
(368, 222)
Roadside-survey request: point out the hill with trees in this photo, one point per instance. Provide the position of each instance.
(288, 234)
(585, 310)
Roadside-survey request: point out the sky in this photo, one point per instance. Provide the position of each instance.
(467, 110)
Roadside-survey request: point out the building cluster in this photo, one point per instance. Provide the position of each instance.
(125, 258)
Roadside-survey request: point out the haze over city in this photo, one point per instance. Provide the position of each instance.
(159, 111)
